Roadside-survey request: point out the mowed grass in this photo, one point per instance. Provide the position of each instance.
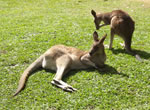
(28, 28)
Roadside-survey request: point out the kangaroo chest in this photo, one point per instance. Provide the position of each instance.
(76, 63)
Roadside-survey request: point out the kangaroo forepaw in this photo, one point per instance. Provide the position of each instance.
(122, 44)
(108, 46)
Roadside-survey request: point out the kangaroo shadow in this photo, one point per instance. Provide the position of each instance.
(143, 54)
(107, 69)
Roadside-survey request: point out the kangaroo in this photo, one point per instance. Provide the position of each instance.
(121, 24)
(62, 59)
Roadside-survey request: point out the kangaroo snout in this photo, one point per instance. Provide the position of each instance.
(97, 27)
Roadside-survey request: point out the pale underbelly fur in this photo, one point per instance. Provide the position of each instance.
(49, 64)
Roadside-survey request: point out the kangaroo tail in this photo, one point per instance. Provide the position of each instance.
(35, 65)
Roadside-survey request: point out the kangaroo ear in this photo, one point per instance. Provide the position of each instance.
(93, 13)
(95, 36)
(102, 39)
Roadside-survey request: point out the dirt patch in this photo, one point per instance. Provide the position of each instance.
(148, 1)
(3, 52)
(144, 1)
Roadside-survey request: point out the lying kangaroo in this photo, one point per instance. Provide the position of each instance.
(121, 24)
(62, 59)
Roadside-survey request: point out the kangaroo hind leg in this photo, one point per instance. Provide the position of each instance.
(63, 66)
(127, 43)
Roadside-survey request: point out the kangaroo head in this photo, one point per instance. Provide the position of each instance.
(97, 20)
(97, 51)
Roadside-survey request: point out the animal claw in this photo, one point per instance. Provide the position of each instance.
(74, 89)
(69, 89)
(63, 86)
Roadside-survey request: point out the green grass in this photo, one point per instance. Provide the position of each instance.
(28, 28)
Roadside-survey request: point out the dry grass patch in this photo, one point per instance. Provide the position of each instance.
(146, 2)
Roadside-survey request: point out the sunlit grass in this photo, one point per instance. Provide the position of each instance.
(28, 28)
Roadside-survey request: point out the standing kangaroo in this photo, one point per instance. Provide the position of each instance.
(121, 24)
(62, 59)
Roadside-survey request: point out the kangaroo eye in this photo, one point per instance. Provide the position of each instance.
(96, 47)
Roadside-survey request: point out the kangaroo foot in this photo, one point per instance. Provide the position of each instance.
(63, 85)
(122, 44)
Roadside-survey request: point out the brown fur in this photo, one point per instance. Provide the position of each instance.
(62, 59)
(121, 24)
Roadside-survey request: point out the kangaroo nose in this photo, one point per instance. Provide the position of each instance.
(97, 27)
(91, 53)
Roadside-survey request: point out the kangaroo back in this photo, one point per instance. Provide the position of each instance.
(122, 27)
(35, 65)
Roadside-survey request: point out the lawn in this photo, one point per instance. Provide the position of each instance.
(29, 27)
